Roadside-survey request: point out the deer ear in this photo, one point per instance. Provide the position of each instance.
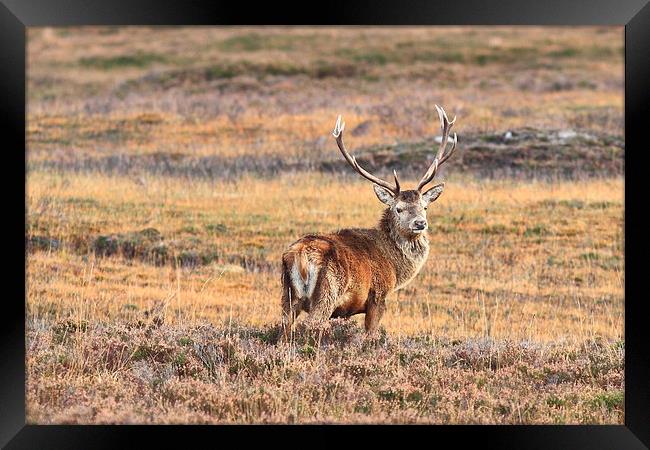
(383, 194)
(432, 194)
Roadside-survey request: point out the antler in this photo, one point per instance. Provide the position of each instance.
(338, 134)
(441, 156)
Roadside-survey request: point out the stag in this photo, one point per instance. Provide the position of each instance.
(352, 271)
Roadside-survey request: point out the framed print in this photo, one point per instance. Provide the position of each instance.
(420, 216)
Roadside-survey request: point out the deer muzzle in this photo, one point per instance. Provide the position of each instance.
(418, 225)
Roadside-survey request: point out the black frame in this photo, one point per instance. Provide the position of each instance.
(15, 16)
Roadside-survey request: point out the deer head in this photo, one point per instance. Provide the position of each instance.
(407, 207)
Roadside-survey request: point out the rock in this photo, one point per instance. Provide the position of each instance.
(567, 134)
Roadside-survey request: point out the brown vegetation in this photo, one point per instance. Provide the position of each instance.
(168, 168)
(155, 373)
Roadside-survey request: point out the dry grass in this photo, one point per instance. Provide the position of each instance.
(503, 243)
(154, 373)
(153, 296)
(184, 101)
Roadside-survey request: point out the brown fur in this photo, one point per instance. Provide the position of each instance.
(356, 268)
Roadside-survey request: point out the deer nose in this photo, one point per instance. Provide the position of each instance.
(419, 224)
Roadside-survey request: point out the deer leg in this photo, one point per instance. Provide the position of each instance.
(321, 311)
(290, 311)
(375, 307)
(323, 301)
(291, 307)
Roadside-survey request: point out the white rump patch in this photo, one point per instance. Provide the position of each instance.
(304, 288)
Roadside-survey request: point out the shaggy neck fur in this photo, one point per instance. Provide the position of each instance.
(413, 249)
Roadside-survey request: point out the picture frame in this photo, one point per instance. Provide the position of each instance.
(16, 16)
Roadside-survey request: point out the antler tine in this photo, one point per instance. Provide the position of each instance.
(441, 154)
(338, 134)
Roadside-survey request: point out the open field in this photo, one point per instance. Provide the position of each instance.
(169, 168)
(245, 93)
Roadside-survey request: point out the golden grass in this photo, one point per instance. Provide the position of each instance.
(516, 260)
(141, 133)
(493, 78)
(517, 316)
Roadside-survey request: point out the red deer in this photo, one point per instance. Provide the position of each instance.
(352, 271)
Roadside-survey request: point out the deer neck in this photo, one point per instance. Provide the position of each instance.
(409, 251)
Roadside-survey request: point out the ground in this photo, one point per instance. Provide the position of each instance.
(168, 168)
